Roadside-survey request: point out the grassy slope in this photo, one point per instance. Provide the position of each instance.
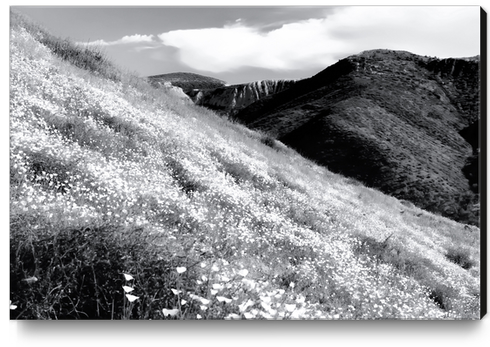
(110, 177)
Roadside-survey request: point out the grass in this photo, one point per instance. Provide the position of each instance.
(460, 257)
(127, 203)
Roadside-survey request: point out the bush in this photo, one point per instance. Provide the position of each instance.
(459, 257)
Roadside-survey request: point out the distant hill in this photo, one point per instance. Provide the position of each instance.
(228, 100)
(391, 119)
(187, 81)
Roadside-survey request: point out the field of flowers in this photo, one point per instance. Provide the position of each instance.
(127, 202)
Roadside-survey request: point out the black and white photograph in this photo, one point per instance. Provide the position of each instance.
(247, 163)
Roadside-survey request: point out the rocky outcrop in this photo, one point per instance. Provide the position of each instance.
(231, 99)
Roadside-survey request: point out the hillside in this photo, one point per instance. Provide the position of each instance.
(127, 202)
(390, 119)
(229, 100)
(186, 80)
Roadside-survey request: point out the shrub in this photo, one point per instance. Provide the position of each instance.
(182, 176)
(459, 257)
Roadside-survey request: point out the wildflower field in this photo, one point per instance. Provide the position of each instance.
(128, 202)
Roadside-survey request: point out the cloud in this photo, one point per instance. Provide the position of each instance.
(129, 39)
(233, 46)
(318, 42)
(443, 31)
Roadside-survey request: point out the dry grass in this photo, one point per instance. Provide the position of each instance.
(126, 203)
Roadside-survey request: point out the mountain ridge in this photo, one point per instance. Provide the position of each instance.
(396, 115)
(229, 100)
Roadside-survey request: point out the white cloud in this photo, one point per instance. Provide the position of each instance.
(438, 31)
(230, 47)
(128, 39)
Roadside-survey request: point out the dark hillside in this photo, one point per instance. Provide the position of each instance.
(303, 87)
(389, 119)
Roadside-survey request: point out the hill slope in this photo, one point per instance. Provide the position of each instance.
(187, 81)
(229, 100)
(128, 203)
(390, 119)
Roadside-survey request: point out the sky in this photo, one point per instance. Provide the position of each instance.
(241, 44)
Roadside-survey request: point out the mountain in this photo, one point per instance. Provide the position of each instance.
(186, 80)
(128, 202)
(390, 119)
(229, 100)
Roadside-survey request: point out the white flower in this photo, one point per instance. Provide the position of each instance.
(127, 289)
(175, 291)
(128, 277)
(204, 301)
(243, 272)
(218, 286)
(245, 305)
(290, 308)
(298, 314)
(171, 313)
(232, 316)
(248, 315)
(222, 298)
(198, 316)
(201, 299)
(183, 302)
(132, 298)
(181, 269)
(12, 307)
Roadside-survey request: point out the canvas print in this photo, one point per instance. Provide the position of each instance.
(245, 163)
